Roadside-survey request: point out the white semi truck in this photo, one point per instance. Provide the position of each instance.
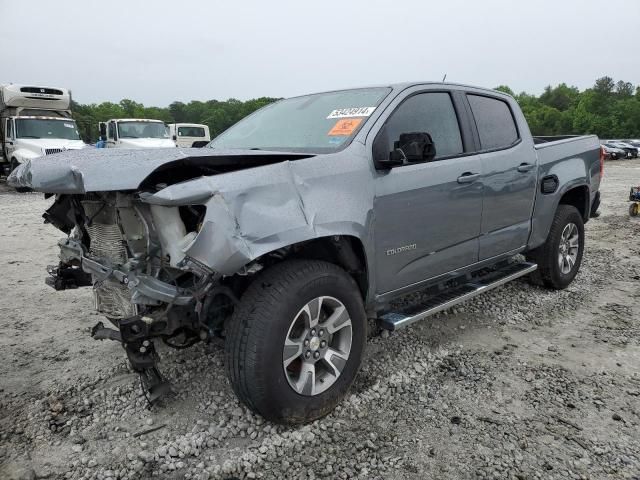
(35, 121)
(135, 133)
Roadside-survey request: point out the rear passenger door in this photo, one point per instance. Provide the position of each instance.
(509, 176)
(427, 215)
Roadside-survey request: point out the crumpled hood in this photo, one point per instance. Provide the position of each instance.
(104, 170)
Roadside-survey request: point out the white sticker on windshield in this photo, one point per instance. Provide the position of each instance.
(69, 125)
(352, 112)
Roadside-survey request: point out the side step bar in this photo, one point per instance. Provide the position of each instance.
(454, 296)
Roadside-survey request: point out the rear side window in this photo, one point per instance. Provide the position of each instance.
(190, 132)
(494, 120)
(9, 132)
(432, 113)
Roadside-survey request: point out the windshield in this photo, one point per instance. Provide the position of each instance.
(319, 123)
(142, 130)
(42, 128)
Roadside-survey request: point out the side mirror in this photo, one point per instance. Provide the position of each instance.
(175, 138)
(410, 148)
(103, 129)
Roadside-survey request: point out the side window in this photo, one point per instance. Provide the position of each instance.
(111, 130)
(191, 132)
(432, 113)
(9, 129)
(495, 123)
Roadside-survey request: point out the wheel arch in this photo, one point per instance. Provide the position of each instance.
(577, 196)
(346, 251)
(575, 193)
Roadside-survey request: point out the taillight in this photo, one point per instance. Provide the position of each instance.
(602, 155)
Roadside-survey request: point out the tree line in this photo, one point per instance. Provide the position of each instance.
(609, 109)
(218, 115)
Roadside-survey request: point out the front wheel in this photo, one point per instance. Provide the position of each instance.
(295, 342)
(559, 258)
(13, 165)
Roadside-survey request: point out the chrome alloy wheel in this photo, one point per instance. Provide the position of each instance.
(568, 248)
(317, 346)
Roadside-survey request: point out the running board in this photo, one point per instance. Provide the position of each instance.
(454, 296)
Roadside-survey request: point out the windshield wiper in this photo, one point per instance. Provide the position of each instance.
(28, 136)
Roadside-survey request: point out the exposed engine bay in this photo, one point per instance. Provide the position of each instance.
(133, 254)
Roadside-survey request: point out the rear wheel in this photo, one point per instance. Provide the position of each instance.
(295, 343)
(559, 258)
(634, 209)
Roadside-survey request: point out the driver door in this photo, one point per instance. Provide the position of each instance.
(427, 214)
(9, 139)
(112, 136)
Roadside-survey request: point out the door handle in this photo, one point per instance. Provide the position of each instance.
(468, 177)
(525, 167)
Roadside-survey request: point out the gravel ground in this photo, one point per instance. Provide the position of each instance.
(522, 383)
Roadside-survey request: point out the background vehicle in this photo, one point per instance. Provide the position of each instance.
(135, 133)
(633, 143)
(35, 121)
(632, 152)
(189, 134)
(613, 153)
(312, 215)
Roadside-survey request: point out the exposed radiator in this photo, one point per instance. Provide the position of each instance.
(111, 299)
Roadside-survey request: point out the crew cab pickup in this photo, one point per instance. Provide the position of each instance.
(310, 216)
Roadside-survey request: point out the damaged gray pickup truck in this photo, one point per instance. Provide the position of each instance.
(309, 217)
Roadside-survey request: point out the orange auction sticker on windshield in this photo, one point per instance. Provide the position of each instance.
(345, 127)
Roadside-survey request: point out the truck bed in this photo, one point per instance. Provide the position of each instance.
(554, 149)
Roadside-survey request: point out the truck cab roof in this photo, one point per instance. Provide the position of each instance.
(135, 120)
(400, 86)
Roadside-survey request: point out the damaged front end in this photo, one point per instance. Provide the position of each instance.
(134, 256)
(169, 239)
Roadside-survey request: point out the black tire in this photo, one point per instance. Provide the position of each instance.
(13, 165)
(258, 328)
(549, 272)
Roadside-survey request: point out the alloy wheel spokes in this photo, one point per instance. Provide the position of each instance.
(312, 310)
(317, 345)
(568, 248)
(339, 319)
(306, 383)
(292, 350)
(336, 360)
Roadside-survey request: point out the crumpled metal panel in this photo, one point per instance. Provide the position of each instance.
(256, 211)
(113, 169)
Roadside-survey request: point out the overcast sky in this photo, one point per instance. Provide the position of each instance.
(158, 51)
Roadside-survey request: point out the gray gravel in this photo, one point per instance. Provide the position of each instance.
(522, 383)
